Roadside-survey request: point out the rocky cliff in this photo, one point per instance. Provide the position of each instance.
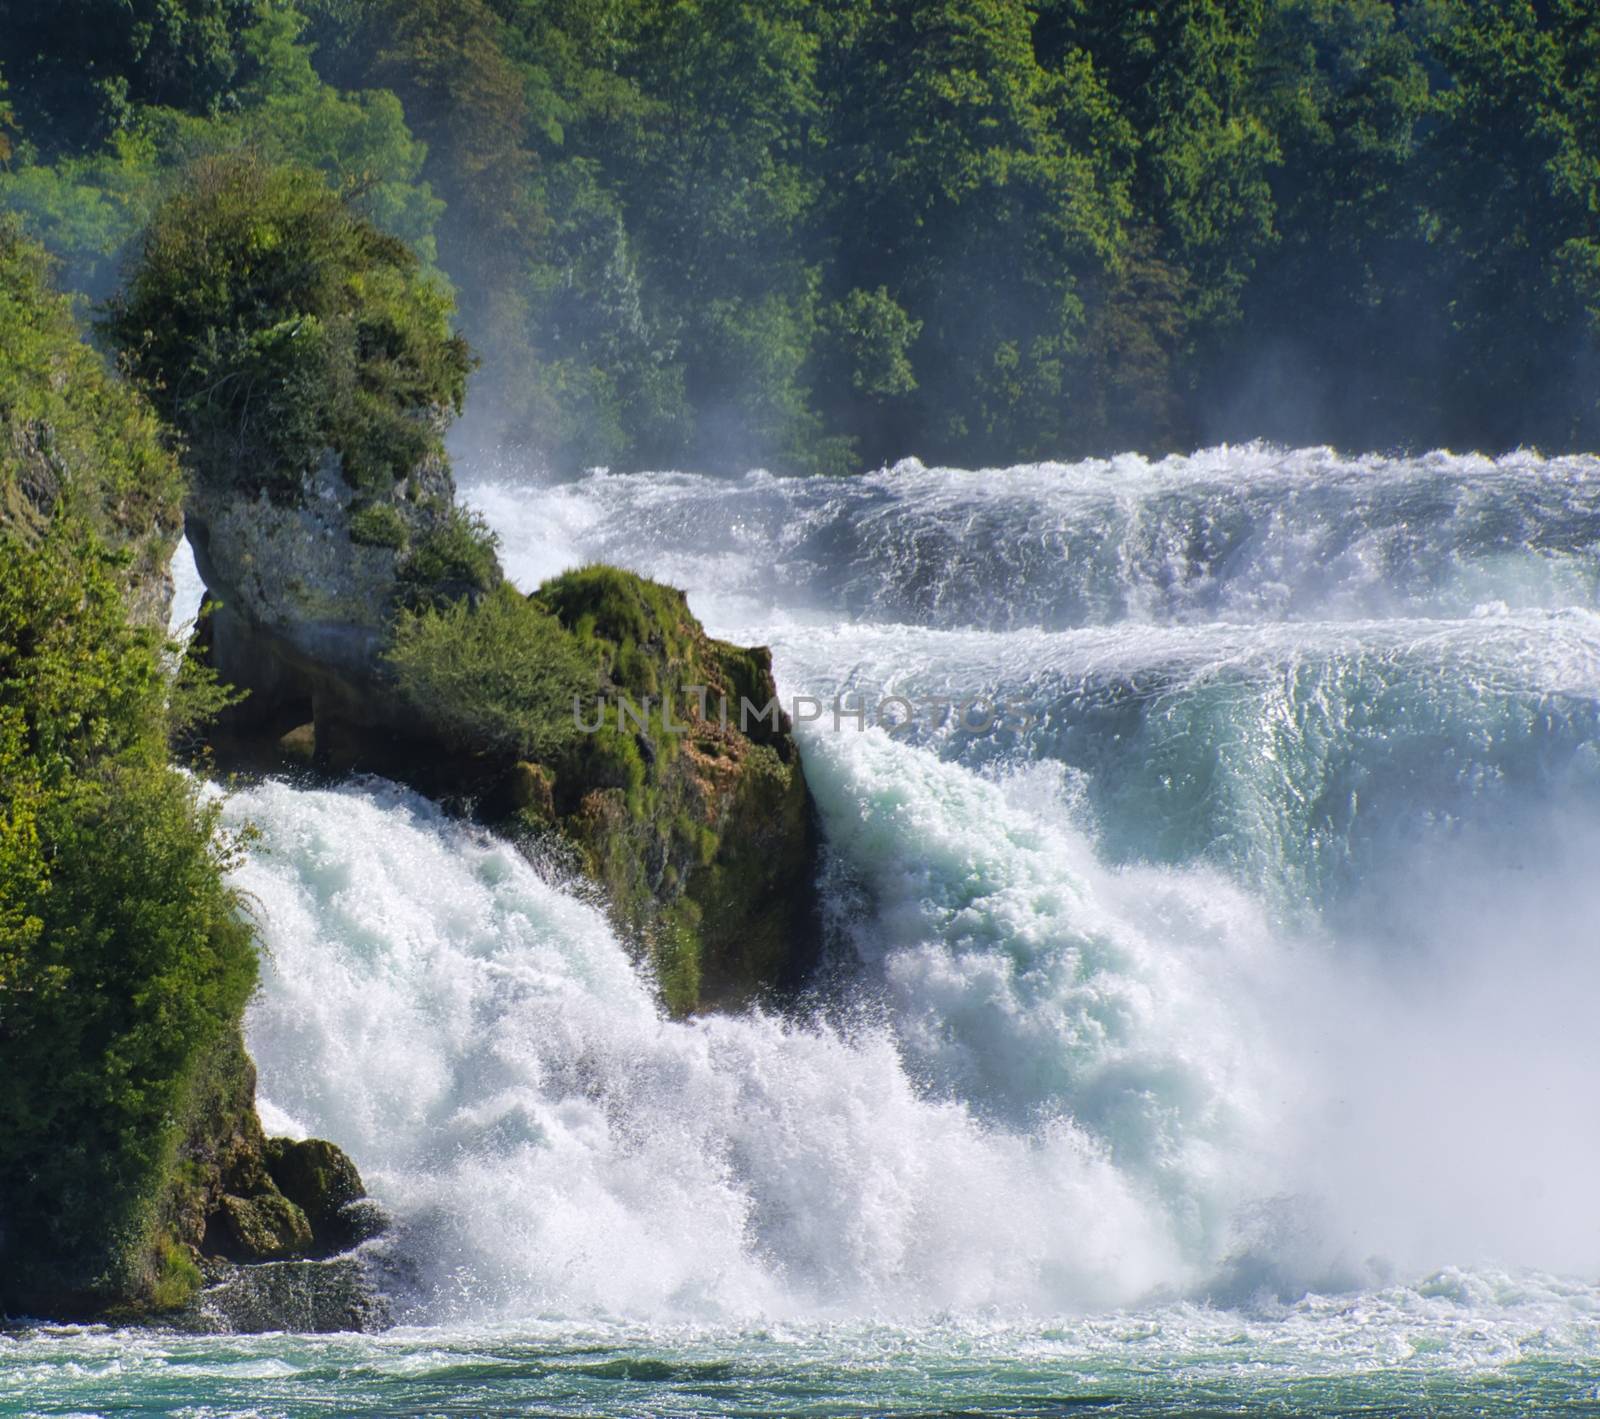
(131, 1155)
(310, 366)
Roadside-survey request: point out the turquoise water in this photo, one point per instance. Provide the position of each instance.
(1399, 1352)
(1389, 1354)
(1220, 1041)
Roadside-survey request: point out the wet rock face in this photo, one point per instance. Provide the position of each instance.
(304, 1202)
(302, 596)
(321, 1181)
(240, 1196)
(266, 1227)
(308, 1297)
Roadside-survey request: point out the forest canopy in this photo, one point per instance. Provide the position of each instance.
(816, 236)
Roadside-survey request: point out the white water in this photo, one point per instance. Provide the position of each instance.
(1266, 961)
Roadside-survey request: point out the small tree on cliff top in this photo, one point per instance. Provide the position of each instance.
(270, 322)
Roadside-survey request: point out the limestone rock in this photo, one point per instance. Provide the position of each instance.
(301, 605)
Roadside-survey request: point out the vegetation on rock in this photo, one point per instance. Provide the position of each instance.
(271, 323)
(124, 961)
(381, 616)
(75, 446)
(129, 1143)
(456, 557)
(497, 676)
(699, 830)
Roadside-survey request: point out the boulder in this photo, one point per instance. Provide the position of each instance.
(306, 1297)
(323, 1183)
(267, 1227)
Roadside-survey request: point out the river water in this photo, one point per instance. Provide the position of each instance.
(1210, 1017)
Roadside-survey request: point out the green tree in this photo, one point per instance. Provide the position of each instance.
(82, 68)
(123, 957)
(1510, 182)
(465, 99)
(88, 207)
(1180, 72)
(1335, 345)
(713, 177)
(977, 189)
(270, 323)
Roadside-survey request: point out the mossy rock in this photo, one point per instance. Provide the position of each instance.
(267, 1227)
(701, 834)
(645, 640)
(532, 791)
(320, 1180)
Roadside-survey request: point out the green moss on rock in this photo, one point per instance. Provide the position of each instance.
(318, 1178)
(267, 1227)
(701, 834)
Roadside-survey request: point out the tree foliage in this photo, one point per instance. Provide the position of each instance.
(271, 323)
(820, 235)
(123, 957)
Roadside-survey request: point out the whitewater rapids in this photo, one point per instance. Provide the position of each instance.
(1232, 1022)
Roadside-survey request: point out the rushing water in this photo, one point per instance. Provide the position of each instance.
(1214, 1035)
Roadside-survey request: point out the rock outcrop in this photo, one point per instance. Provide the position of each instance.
(301, 599)
(243, 1197)
(309, 363)
(692, 815)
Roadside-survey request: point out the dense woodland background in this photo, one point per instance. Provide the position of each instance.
(815, 236)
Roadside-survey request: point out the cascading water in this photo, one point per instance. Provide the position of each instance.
(1283, 897)
(1228, 1014)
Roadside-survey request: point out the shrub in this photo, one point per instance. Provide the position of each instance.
(495, 677)
(378, 525)
(270, 322)
(122, 955)
(454, 558)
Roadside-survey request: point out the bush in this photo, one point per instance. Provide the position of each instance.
(378, 525)
(454, 558)
(269, 322)
(495, 677)
(123, 958)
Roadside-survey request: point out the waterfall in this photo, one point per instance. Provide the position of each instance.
(1257, 956)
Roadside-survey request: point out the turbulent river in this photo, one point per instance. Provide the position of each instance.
(1213, 1029)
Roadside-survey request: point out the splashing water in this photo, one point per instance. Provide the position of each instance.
(1222, 1038)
